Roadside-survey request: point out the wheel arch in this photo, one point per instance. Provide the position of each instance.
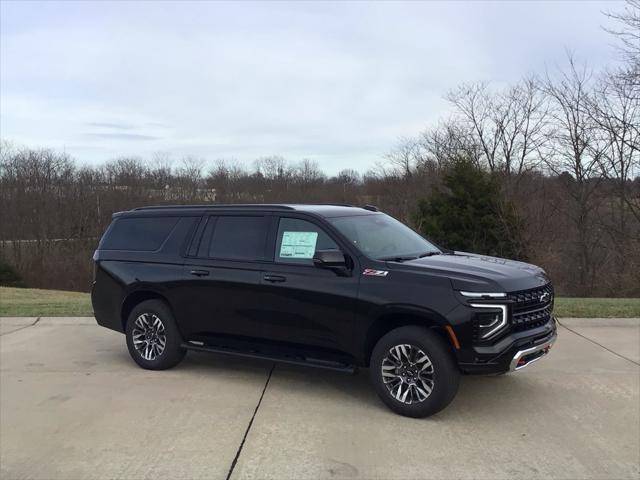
(136, 297)
(401, 317)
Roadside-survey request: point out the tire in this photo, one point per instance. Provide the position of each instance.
(150, 354)
(393, 372)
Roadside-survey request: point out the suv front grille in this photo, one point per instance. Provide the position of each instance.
(531, 308)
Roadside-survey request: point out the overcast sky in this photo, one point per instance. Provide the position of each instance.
(338, 83)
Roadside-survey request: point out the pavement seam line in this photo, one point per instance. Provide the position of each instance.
(599, 344)
(22, 328)
(246, 433)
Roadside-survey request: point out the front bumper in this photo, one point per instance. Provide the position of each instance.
(526, 357)
(513, 352)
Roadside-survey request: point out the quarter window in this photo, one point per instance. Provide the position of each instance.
(139, 234)
(298, 240)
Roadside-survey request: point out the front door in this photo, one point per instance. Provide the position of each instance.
(301, 303)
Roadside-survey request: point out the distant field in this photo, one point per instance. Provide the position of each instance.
(31, 302)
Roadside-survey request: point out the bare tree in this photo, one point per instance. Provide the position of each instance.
(403, 159)
(507, 127)
(308, 172)
(474, 107)
(521, 118)
(347, 179)
(575, 156)
(161, 165)
(628, 33)
(273, 168)
(404, 179)
(616, 113)
(447, 141)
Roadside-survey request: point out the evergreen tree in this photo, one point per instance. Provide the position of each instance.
(471, 214)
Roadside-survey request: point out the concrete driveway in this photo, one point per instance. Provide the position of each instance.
(74, 406)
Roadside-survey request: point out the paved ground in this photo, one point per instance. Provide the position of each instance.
(73, 405)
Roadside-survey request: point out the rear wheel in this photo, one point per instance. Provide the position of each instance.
(413, 372)
(153, 339)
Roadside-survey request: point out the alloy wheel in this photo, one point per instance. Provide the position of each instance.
(149, 337)
(407, 372)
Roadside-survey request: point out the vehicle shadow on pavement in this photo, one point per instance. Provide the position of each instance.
(476, 394)
(332, 385)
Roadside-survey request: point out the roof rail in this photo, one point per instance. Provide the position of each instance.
(334, 204)
(219, 206)
(371, 208)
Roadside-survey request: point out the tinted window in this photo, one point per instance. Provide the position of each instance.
(238, 238)
(298, 240)
(141, 234)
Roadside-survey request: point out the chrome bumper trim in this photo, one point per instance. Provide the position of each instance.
(522, 353)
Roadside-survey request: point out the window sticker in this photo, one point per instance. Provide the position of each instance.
(298, 244)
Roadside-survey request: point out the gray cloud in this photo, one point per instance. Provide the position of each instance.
(115, 126)
(337, 82)
(122, 136)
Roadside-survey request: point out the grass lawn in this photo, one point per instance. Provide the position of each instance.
(597, 307)
(31, 302)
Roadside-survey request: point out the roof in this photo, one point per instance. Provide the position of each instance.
(323, 210)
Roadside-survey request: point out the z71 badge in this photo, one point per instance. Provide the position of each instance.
(375, 273)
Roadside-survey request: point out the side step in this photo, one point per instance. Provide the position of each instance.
(290, 359)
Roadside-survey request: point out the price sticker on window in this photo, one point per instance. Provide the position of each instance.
(298, 244)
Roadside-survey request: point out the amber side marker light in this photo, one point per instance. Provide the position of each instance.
(454, 339)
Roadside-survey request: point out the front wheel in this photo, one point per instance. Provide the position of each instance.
(413, 372)
(153, 339)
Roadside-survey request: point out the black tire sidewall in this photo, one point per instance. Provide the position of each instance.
(173, 352)
(446, 373)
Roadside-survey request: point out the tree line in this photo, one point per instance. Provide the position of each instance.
(545, 170)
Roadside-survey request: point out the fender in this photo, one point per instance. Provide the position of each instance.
(136, 293)
(391, 316)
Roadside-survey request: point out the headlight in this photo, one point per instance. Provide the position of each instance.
(483, 294)
(490, 323)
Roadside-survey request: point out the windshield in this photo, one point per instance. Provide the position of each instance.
(382, 237)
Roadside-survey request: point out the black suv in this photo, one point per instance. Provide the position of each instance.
(332, 286)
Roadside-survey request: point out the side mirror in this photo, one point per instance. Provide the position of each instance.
(331, 259)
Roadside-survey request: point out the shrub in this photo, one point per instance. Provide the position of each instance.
(9, 277)
(471, 214)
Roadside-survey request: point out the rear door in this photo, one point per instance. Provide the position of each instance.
(220, 294)
(301, 303)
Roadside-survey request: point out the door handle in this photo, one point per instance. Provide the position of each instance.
(274, 278)
(200, 273)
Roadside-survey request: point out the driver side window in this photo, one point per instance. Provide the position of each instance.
(298, 240)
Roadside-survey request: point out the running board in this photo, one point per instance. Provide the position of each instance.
(306, 362)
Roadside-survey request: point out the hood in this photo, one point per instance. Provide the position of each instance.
(480, 273)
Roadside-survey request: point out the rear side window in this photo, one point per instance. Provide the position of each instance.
(139, 234)
(238, 238)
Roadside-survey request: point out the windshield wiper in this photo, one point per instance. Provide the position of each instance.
(429, 254)
(404, 258)
(397, 258)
